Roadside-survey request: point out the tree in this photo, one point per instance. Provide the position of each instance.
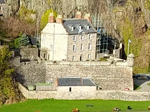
(13, 27)
(8, 88)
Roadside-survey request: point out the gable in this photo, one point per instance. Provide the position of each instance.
(54, 28)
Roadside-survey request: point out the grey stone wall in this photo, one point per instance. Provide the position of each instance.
(29, 53)
(106, 75)
(31, 73)
(85, 52)
(110, 77)
(100, 94)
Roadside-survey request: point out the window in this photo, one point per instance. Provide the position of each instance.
(74, 47)
(89, 46)
(82, 47)
(80, 27)
(82, 37)
(72, 28)
(89, 56)
(81, 57)
(90, 36)
(87, 27)
(74, 38)
(70, 89)
(73, 58)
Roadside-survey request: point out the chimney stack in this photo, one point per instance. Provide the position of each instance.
(51, 18)
(87, 16)
(59, 19)
(78, 15)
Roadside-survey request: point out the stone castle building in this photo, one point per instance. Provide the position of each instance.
(69, 39)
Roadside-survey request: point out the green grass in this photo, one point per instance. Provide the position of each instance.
(136, 87)
(43, 84)
(148, 84)
(67, 106)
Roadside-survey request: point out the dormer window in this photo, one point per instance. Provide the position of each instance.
(72, 28)
(87, 27)
(80, 27)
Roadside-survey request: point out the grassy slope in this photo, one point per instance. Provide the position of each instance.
(68, 105)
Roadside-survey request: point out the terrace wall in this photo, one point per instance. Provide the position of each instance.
(106, 75)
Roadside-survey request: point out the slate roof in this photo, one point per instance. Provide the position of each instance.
(75, 24)
(75, 82)
(2, 1)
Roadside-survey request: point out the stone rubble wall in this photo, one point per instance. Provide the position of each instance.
(31, 72)
(99, 94)
(107, 77)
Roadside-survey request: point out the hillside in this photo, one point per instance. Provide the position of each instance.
(123, 19)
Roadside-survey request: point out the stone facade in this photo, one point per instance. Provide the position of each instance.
(77, 92)
(82, 51)
(54, 41)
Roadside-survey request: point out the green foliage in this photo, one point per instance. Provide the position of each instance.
(147, 4)
(138, 69)
(7, 85)
(127, 33)
(136, 87)
(103, 59)
(149, 67)
(44, 19)
(26, 14)
(22, 40)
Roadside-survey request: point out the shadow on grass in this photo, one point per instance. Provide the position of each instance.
(136, 87)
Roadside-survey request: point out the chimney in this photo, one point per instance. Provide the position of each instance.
(87, 16)
(59, 19)
(51, 18)
(78, 15)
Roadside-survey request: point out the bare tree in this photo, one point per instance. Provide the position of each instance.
(13, 27)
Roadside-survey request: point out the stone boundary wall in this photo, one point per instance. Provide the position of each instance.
(36, 94)
(100, 94)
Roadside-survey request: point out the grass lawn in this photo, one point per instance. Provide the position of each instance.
(148, 84)
(136, 87)
(67, 106)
